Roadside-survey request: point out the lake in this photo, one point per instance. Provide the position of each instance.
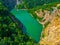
(33, 28)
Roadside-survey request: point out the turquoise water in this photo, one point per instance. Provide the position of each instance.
(33, 28)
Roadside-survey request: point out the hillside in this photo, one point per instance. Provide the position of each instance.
(10, 32)
(49, 17)
(51, 34)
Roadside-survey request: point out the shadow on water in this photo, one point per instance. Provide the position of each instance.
(23, 28)
(20, 25)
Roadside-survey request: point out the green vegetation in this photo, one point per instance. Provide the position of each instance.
(10, 33)
(46, 24)
(58, 7)
(43, 7)
(43, 35)
(2, 7)
(20, 6)
(35, 3)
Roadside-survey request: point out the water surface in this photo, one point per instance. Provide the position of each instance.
(33, 28)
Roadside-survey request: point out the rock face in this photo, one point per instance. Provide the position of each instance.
(47, 15)
(51, 34)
